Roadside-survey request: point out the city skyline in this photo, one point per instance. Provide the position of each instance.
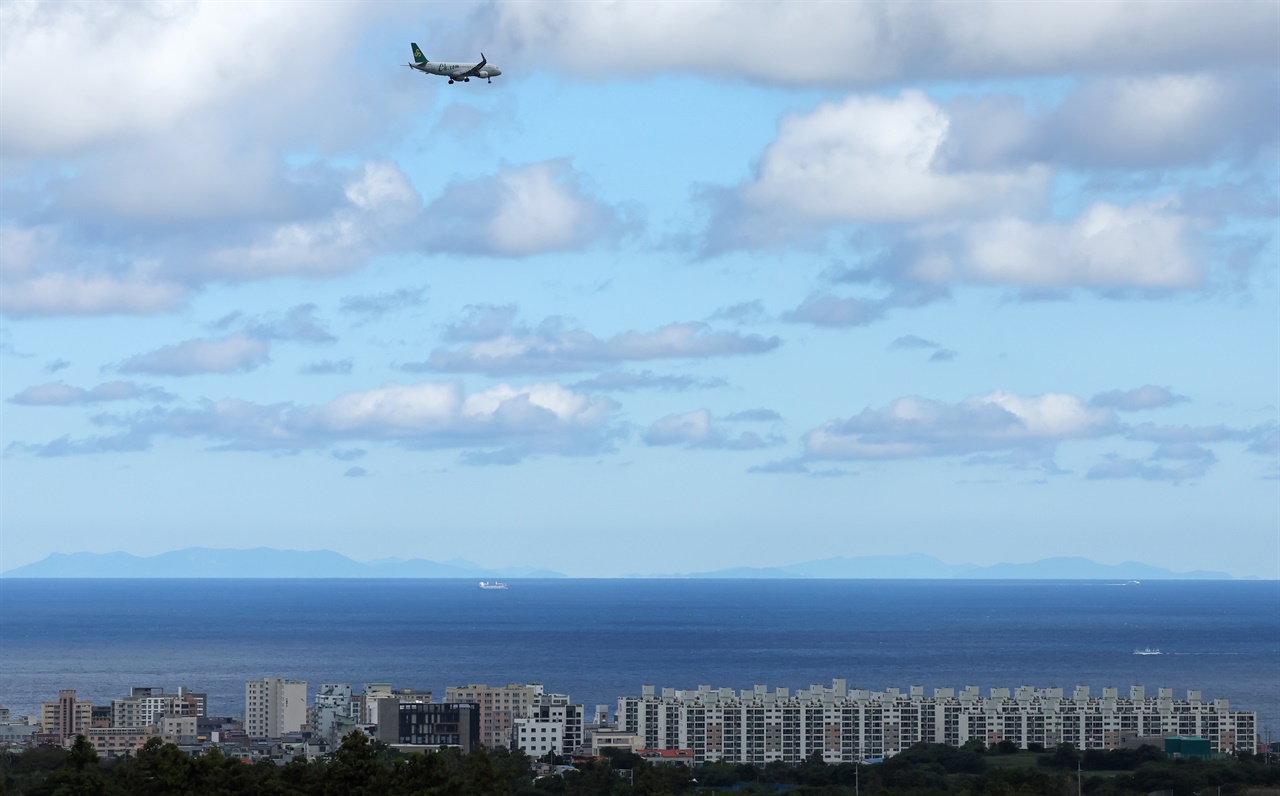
(990, 282)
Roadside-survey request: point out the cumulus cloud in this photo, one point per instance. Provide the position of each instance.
(1130, 122)
(41, 275)
(521, 212)
(696, 430)
(553, 349)
(917, 427)
(850, 44)
(356, 472)
(864, 159)
(544, 418)
(1148, 396)
(377, 214)
(59, 393)
(237, 353)
(155, 65)
(1147, 246)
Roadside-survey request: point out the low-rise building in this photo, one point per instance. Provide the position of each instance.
(115, 741)
(429, 725)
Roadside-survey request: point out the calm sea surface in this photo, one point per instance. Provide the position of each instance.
(599, 639)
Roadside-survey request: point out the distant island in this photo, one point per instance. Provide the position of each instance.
(265, 562)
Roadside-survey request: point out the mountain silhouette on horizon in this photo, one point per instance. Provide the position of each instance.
(266, 562)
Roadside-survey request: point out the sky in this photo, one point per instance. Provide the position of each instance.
(691, 285)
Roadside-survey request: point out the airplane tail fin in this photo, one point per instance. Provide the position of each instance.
(418, 57)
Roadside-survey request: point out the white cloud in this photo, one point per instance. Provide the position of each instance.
(851, 44)
(521, 212)
(695, 430)
(1141, 246)
(519, 420)
(1148, 396)
(381, 204)
(239, 352)
(552, 349)
(1128, 122)
(95, 72)
(914, 427)
(867, 159)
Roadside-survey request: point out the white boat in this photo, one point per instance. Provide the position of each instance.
(492, 584)
(1148, 651)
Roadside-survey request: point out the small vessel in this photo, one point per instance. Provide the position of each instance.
(492, 584)
(1148, 651)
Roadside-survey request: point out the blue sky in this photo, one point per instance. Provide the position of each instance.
(689, 286)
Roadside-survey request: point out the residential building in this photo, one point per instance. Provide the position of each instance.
(274, 706)
(114, 741)
(365, 706)
(146, 704)
(67, 717)
(429, 725)
(331, 714)
(499, 708)
(611, 739)
(551, 724)
(760, 726)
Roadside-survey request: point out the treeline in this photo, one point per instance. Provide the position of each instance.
(361, 767)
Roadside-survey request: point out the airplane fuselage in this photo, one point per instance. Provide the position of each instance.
(454, 71)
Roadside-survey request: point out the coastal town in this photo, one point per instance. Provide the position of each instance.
(281, 720)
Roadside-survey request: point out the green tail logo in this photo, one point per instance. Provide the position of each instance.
(417, 54)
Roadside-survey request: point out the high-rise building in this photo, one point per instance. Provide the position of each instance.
(760, 726)
(68, 716)
(499, 707)
(274, 706)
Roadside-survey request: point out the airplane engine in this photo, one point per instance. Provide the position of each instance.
(483, 73)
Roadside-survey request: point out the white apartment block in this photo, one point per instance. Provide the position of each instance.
(539, 738)
(843, 724)
(144, 706)
(499, 708)
(551, 724)
(274, 706)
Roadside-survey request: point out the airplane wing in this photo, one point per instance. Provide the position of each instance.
(475, 70)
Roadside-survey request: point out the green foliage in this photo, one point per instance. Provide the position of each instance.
(360, 766)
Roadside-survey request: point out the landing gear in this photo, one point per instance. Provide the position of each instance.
(491, 81)
(451, 81)
(466, 80)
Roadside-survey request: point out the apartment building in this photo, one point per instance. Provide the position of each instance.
(67, 717)
(759, 726)
(145, 705)
(499, 708)
(429, 725)
(274, 706)
(551, 724)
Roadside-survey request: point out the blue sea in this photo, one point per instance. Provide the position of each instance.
(598, 639)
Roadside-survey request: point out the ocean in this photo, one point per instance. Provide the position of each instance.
(599, 639)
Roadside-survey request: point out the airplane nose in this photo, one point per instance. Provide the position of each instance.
(493, 70)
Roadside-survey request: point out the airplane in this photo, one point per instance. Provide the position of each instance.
(455, 72)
